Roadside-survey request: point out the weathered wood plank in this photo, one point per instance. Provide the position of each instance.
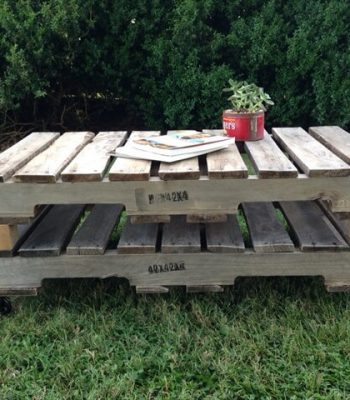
(53, 232)
(149, 219)
(14, 158)
(309, 154)
(8, 237)
(225, 237)
(334, 138)
(266, 232)
(203, 268)
(179, 237)
(204, 289)
(138, 239)
(206, 218)
(92, 162)
(47, 166)
(125, 169)
(268, 160)
(94, 234)
(312, 228)
(151, 289)
(226, 163)
(186, 169)
(341, 220)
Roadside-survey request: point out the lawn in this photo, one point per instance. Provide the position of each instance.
(265, 339)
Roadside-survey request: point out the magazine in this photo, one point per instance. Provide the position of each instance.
(131, 152)
(173, 147)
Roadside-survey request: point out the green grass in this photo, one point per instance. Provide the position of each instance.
(266, 339)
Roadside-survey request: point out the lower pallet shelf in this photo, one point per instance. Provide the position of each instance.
(282, 239)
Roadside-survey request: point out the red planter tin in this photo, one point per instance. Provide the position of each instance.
(244, 126)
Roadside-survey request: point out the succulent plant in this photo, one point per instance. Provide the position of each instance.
(247, 97)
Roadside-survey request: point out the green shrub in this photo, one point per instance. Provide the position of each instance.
(167, 61)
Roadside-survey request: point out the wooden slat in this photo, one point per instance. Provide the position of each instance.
(204, 289)
(311, 226)
(14, 158)
(179, 237)
(94, 234)
(310, 155)
(53, 232)
(341, 220)
(138, 239)
(47, 166)
(125, 169)
(206, 218)
(225, 237)
(92, 162)
(8, 237)
(149, 219)
(268, 160)
(266, 232)
(226, 163)
(334, 138)
(186, 169)
(151, 289)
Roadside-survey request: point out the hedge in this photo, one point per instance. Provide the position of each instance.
(167, 61)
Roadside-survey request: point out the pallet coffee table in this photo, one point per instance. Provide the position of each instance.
(291, 189)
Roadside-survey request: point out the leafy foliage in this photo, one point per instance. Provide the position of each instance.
(247, 97)
(166, 62)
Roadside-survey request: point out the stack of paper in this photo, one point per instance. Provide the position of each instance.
(173, 147)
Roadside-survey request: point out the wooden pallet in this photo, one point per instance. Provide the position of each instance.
(76, 168)
(67, 241)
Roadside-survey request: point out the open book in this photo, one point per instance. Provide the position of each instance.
(173, 147)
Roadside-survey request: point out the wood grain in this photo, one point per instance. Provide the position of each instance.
(94, 234)
(138, 239)
(180, 237)
(266, 232)
(224, 237)
(53, 232)
(125, 169)
(15, 157)
(309, 154)
(312, 228)
(47, 166)
(334, 138)
(92, 162)
(268, 160)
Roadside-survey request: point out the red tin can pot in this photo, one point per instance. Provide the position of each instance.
(244, 126)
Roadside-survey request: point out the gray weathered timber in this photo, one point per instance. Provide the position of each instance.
(226, 163)
(204, 289)
(311, 156)
(180, 237)
(186, 169)
(199, 268)
(148, 219)
(138, 239)
(268, 160)
(94, 234)
(203, 195)
(205, 218)
(311, 226)
(334, 138)
(47, 166)
(92, 162)
(53, 232)
(340, 220)
(224, 237)
(125, 169)
(14, 158)
(151, 289)
(266, 232)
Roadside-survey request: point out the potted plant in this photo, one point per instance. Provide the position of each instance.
(245, 121)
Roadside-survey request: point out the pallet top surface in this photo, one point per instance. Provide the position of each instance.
(48, 157)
